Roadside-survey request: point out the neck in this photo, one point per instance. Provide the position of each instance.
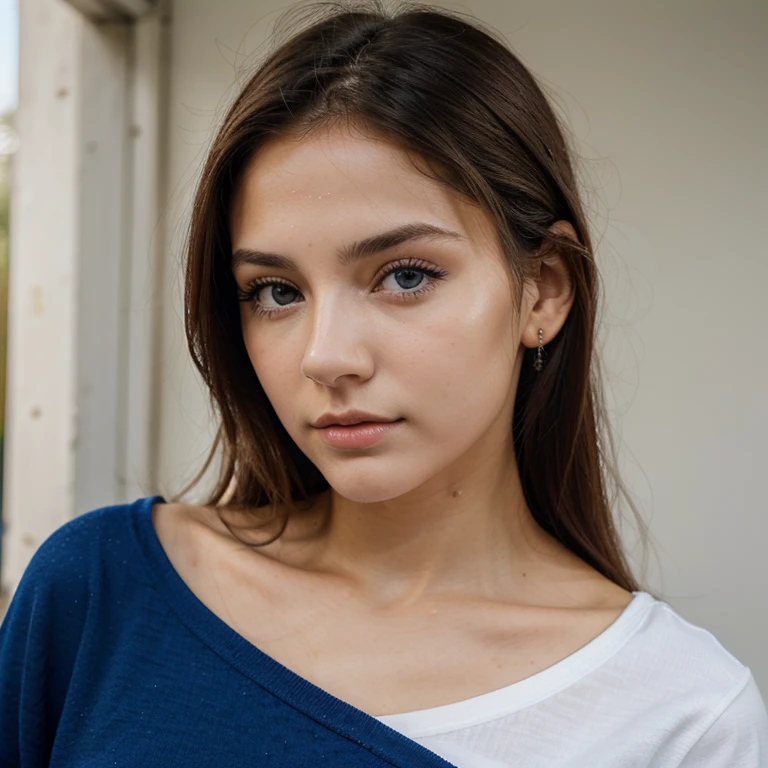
(474, 533)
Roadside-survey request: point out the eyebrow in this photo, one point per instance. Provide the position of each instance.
(352, 252)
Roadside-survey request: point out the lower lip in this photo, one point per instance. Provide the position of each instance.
(359, 435)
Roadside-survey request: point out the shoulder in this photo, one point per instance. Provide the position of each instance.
(72, 563)
(735, 731)
(192, 532)
(687, 673)
(198, 541)
(61, 603)
(78, 545)
(83, 567)
(683, 649)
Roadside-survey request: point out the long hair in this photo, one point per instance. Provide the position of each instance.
(450, 92)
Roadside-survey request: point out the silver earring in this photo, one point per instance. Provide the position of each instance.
(538, 363)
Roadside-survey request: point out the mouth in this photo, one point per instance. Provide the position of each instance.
(357, 436)
(351, 419)
(360, 424)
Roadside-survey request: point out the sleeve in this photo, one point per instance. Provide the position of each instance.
(738, 735)
(39, 638)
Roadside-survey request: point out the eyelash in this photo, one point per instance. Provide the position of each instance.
(433, 273)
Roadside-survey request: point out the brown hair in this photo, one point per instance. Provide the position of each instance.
(450, 92)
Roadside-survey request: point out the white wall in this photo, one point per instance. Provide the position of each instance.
(668, 103)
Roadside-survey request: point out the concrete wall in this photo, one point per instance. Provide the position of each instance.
(667, 101)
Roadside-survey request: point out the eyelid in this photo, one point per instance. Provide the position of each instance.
(404, 263)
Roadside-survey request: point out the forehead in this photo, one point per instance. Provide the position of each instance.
(337, 179)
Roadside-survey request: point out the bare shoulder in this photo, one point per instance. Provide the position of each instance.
(610, 601)
(560, 579)
(186, 532)
(175, 521)
(192, 533)
(600, 594)
(603, 602)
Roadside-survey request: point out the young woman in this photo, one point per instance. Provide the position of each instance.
(409, 558)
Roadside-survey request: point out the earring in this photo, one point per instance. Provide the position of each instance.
(538, 363)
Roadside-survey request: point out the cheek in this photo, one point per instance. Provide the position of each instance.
(460, 370)
(273, 366)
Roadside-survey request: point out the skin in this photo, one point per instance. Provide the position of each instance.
(423, 540)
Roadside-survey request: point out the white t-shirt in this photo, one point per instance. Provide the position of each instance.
(651, 691)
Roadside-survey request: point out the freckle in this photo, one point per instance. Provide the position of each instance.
(523, 575)
(456, 493)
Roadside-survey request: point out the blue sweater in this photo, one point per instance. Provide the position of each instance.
(107, 659)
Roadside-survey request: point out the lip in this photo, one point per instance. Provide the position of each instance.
(349, 418)
(356, 436)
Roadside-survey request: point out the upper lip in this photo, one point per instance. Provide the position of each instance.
(347, 418)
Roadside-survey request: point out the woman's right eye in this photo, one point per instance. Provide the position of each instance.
(258, 290)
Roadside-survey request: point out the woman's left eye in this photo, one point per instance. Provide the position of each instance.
(411, 276)
(410, 279)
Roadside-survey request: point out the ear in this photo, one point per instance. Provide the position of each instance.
(550, 294)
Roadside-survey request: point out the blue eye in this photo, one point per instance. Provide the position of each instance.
(409, 275)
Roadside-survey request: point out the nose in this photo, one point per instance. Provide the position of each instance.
(338, 342)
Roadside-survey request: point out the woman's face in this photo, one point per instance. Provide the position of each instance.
(422, 331)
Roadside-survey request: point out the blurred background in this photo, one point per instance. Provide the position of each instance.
(107, 108)
(9, 144)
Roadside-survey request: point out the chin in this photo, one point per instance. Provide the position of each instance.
(365, 493)
(367, 487)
